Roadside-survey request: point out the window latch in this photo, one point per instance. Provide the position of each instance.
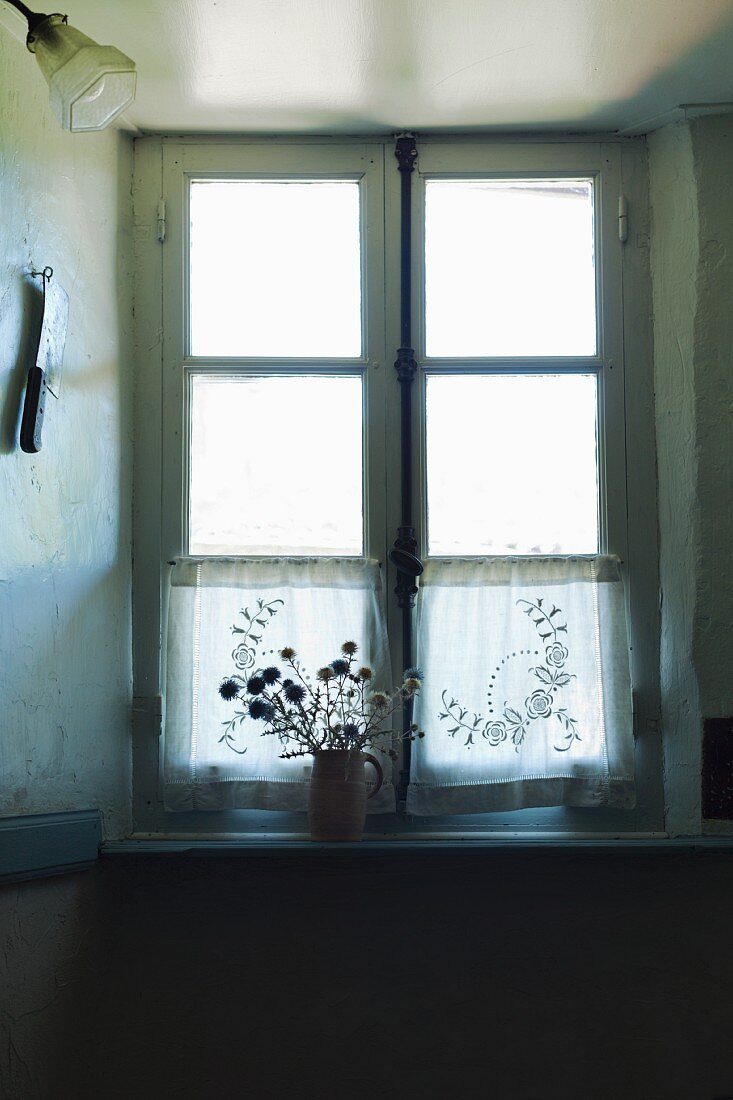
(149, 709)
(161, 220)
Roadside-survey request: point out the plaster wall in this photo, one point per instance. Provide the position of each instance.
(674, 262)
(692, 274)
(65, 665)
(712, 143)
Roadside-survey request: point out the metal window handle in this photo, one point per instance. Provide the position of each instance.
(378, 769)
(405, 562)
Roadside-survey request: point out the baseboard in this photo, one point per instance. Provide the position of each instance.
(37, 845)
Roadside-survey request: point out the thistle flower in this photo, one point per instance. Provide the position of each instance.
(301, 712)
(294, 693)
(258, 708)
(229, 689)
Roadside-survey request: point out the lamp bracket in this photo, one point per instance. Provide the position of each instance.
(38, 21)
(34, 19)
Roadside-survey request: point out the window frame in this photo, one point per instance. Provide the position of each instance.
(462, 160)
(263, 161)
(162, 166)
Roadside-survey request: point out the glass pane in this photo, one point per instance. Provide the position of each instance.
(275, 268)
(509, 268)
(512, 464)
(276, 466)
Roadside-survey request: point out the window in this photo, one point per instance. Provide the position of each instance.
(279, 405)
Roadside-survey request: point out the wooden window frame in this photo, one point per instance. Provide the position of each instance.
(623, 363)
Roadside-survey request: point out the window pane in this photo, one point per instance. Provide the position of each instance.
(275, 268)
(512, 464)
(276, 466)
(509, 268)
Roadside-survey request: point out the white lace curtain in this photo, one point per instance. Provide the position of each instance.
(228, 616)
(527, 693)
(526, 697)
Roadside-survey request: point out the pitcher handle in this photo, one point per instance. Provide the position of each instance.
(378, 769)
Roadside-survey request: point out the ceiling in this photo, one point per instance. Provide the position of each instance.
(351, 66)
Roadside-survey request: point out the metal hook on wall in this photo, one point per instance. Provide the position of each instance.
(46, 275)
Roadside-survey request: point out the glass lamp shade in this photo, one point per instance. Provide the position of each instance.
(89, 84)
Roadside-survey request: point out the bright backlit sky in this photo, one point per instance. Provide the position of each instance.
(276, 464)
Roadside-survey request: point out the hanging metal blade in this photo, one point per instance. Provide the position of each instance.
(45, 374)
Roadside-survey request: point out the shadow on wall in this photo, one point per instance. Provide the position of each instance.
(653, 103)
(656, 103)
(66, 690)
(50, 981)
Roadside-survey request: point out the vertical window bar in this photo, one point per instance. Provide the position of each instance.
(404, 553)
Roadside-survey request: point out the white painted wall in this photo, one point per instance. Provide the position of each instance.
(712, 143)
(691, 167)
(674, 258)
(65, 664)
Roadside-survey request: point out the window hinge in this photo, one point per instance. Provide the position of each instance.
(623, 219)
(161, 220)
(148, 709)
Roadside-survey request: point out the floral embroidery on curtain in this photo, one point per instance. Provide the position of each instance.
(243, 612)
(527, 692)
(516, 720)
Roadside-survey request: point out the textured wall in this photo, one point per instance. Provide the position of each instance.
(712, 143)
(674, 261)
(65, 546)
(510, 976)
(691, 167)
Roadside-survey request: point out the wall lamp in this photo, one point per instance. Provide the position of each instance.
(89, 84)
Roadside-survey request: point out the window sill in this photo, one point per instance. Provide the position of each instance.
(277, 845)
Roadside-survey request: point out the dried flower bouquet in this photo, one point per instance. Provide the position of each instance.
(339, 711)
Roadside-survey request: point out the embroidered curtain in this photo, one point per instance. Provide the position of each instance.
(233, 615)
(527, 692)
